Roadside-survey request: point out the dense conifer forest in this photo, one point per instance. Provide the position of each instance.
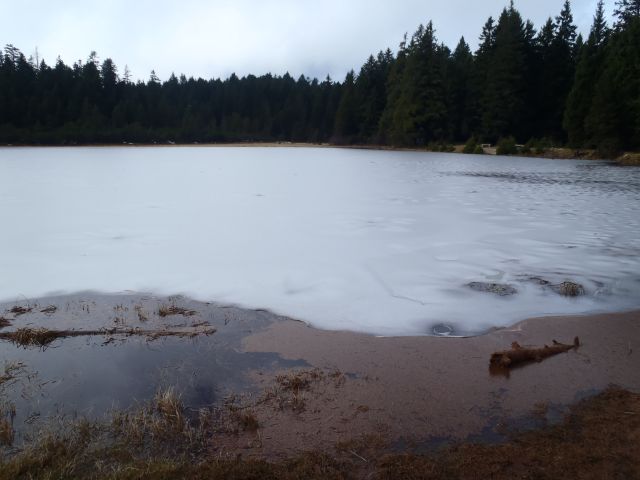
(539, 85)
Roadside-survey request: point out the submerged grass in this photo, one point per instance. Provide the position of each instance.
(18, 310)
(42, 337)
(167, 310)
(30, 337)
(290, 389)
(142, 315)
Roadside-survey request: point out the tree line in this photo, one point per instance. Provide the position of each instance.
(549, 85)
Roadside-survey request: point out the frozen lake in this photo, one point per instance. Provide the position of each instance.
(380, 242)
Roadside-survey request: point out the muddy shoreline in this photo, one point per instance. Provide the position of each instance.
(413, 394)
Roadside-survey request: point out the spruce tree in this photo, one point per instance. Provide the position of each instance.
(459, 83)
(503, 101)
(416, 111)
(588, 70)
(626, 11)
(346, 126)
(556, 73)
(613, 122)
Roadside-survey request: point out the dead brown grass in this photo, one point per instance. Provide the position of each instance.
(246, 420)
(168, 403)
(291, 389)
(599, 439)
(17, 310)
(4, 322)
(42, 337)
(32, 337)
(296, 381)
(167, 310)
(629, 159)
(142, 315)
(6, 432)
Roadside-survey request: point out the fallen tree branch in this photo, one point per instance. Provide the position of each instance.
(518, 355)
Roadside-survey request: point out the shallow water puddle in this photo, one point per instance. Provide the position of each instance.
(90, 376)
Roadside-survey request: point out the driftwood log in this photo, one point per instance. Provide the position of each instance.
(518, 354)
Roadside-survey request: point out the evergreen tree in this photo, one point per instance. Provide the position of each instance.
(394, 90)
(346, 126)
(613, 122)
(556, 73)
(503, 101)
(588, 71)
(519, 83)
(626, 11)
(417, 110)
(460, 76)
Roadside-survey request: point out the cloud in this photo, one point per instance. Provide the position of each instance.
(213, 38)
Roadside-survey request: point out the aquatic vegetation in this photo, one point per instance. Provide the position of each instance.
(501, 289)
(569, 289)
(142, 315)
(28, 337)
(165, 311)
(42, 337)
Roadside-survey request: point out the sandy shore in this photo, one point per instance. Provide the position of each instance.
(421, 390)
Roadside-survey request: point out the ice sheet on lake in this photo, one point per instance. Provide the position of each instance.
(381, 242)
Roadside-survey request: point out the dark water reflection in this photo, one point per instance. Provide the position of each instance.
(88, 377)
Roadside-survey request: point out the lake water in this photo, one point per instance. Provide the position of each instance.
(373, 241)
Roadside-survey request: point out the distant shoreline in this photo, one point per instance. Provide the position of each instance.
(555, 153)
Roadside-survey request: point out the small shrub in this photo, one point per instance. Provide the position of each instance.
(628, 159)
(470, 146)
(507, 146)
(529, 146)
(478, 150)
(542, 145)
(445, 147)
(440, 147)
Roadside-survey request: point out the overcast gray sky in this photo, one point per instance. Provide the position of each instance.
(213, 38)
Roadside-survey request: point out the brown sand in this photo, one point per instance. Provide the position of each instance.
(412, 391)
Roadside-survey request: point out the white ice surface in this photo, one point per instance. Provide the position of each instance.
(380, 242)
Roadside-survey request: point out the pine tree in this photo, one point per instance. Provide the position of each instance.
(503, 102)
(588, 70)
(556, 73)
(416, 111)
(626, 11)
(371, 87)
(613, 122)
(460, 76)
(346, 126)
